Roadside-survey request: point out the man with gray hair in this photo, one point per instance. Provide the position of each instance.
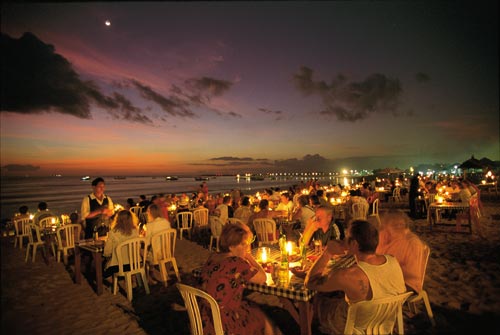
(396, 239)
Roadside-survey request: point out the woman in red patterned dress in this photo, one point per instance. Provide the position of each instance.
(224, 277)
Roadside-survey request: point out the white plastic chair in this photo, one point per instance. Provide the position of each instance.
(359, 210)
(189, 295)
(383, 312)
(375, 212)
(184, 223)
(131, 252)
(422, 295)
(137, 210)
(200, 217)
(163, 248)
(22, 231)
(33, 241)
(396, 195)
(266, 231)
(47, 222)
(235, 220)
(216, 225)
(66, 237)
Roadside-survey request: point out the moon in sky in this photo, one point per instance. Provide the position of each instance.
(107, 23)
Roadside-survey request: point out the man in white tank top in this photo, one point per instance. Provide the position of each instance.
(373, 276)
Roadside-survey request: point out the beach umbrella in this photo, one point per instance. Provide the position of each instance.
(471, 163)
(486, 162)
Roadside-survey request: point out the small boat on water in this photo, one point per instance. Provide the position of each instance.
(120, 177)
(167, 178)
(86, 178)
(201, 178)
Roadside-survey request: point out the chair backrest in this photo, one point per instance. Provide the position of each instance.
(425, 258)
(163, 244)
(375, 205)
(33, 232)
(474, 201)
(266, 230)
(216, 225)
(19, 226)
(131, 252)
(235, 220)
(65, 219)
(190, 295)
(137, 210)
(360, 210)
(200, 217)
(68, 233)
(474, 211)
(185, 219)
(47, 221)
(376, 316)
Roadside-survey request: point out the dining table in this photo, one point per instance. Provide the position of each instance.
(96, 248)
(295, 297)
(435, 210)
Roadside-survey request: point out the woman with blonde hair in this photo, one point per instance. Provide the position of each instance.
(224, 277)
(123, 227)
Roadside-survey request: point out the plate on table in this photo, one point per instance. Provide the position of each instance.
(299, 271)
(294, 258)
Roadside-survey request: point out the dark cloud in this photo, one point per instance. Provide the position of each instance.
(198, 92)
(307, 163)
(208, 87)
(36, 79)
(228, 164)
(20, 168)
(277, 113)
(422, 77)
(351, 101)
(173, 105)
(234, 114)
(229, 158)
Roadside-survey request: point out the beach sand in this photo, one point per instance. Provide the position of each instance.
(462, 280)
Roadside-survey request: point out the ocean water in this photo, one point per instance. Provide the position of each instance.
(64, 194)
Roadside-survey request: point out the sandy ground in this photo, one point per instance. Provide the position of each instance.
(462, 280)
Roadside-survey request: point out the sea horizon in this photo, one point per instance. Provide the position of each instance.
(64, 194)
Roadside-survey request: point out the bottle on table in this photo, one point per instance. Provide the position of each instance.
(282, 240)
(95, 233)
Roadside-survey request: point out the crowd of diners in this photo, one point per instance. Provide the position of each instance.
(388, 255)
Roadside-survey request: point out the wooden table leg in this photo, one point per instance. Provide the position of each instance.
(98, 272)
(290, 307)
(78, 272)
(305, 314)
(48, 244)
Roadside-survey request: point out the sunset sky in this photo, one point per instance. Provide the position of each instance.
(203, 87)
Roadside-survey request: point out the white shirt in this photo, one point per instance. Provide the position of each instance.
(224, 214)
(85, 209)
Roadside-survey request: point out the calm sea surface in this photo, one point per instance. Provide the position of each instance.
(64, 194)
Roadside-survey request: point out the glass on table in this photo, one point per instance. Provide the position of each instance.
(318, 246)
(263, 255)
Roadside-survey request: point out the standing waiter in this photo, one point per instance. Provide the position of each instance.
(96, 207)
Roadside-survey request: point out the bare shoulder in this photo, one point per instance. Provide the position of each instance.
(357, 284)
